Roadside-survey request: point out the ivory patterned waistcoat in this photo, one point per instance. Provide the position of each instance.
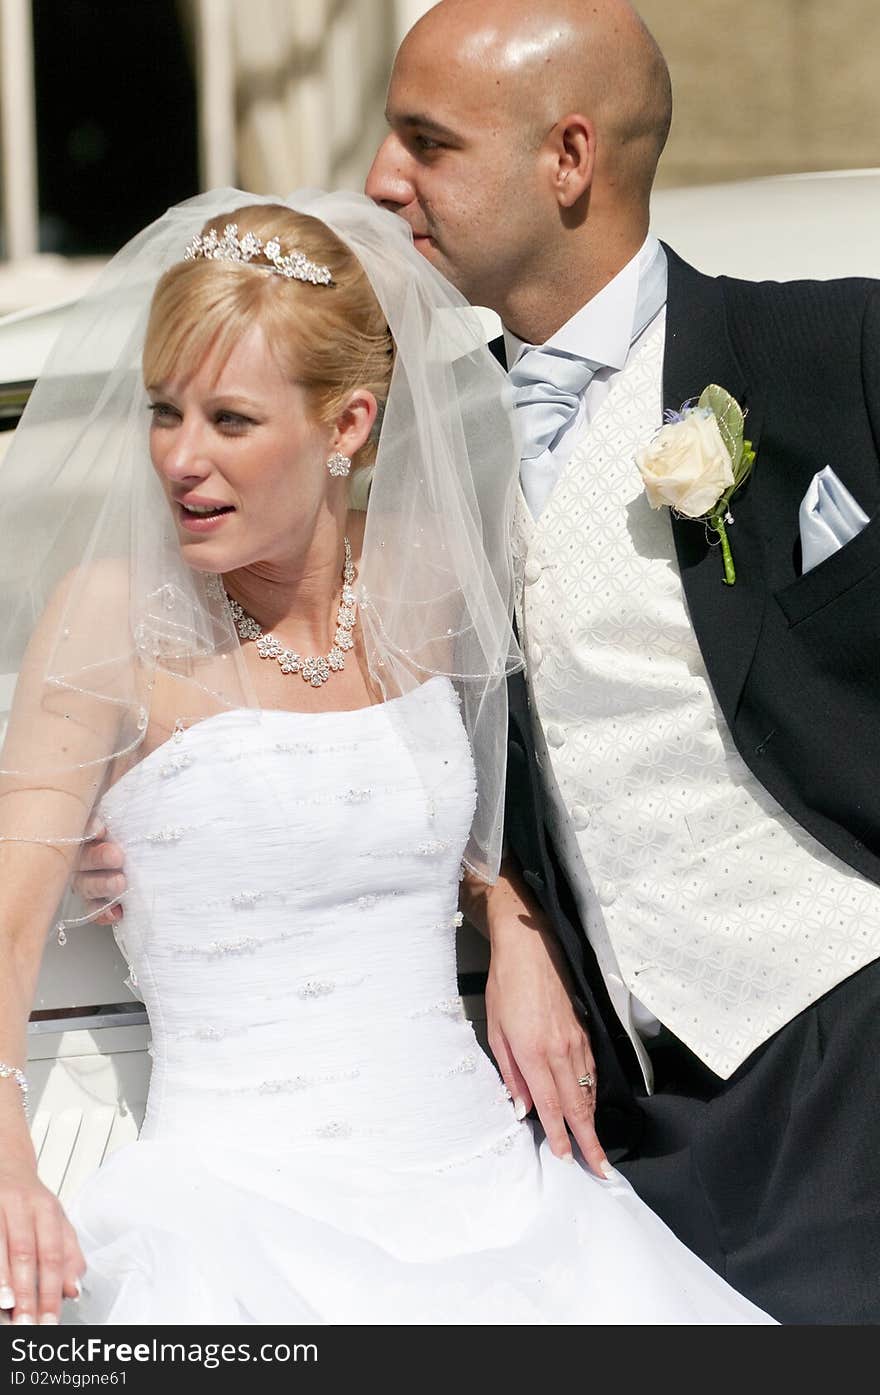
(702, 898)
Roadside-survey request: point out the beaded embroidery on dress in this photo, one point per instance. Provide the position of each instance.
(325, 1140)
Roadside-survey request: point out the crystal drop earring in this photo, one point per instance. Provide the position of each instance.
(338, 464)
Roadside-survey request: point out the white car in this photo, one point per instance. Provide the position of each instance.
(88, 1060)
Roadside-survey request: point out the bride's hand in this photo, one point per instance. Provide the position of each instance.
(99, 875)
(40, 1258)
(541, 1047)
(539, 1043)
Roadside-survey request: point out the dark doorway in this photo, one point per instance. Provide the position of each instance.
(116, 119)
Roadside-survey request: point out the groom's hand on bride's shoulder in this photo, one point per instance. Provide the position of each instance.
(99, 876)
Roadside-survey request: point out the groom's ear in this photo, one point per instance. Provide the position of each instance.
(571, 146)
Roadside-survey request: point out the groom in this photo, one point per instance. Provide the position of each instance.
(693, 792)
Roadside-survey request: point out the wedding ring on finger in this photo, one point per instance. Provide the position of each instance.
(587, 1081)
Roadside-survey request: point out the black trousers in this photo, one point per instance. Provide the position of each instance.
(773, 1176)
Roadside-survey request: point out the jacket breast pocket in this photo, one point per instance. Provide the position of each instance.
(851, 574)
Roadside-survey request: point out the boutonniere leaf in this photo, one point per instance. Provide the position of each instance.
(697, 461)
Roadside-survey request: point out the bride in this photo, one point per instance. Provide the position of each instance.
(290, 711)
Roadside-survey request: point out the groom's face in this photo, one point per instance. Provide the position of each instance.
(458, 167)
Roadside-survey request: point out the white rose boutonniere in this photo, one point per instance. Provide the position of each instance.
(696, 461)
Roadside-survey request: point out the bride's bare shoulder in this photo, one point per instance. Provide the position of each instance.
(87, 609)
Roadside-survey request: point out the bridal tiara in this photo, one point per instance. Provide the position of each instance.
(230, 248)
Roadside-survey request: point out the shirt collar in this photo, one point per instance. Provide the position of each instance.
(602, 329)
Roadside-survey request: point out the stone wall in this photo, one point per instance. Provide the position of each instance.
(769, 86)
(761, 87)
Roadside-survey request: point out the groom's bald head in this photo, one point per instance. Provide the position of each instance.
(537, 63)
(515, 124)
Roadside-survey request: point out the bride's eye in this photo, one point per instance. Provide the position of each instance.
(232, 423)
(162, 413)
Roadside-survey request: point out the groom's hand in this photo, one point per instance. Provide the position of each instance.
(99, 874)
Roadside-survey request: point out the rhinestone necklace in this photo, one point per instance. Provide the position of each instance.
(316, 669)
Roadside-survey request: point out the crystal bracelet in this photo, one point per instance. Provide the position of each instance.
(20, 1079)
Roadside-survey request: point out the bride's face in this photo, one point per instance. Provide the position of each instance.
(242, 461)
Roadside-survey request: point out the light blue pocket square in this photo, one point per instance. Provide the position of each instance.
(829, 517)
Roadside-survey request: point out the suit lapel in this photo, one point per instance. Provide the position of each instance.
(726, 619)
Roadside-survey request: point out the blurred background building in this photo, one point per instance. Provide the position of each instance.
(768, 87)
(110, 110)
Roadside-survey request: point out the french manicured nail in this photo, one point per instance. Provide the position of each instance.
(568, 1157)
(607, 1170)
(7, 1297)
(48, 1320)
(519, 1109)
(24, 1320)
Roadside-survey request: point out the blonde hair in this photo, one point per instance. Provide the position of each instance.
(330, 339)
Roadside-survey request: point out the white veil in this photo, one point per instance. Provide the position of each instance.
(97, 601)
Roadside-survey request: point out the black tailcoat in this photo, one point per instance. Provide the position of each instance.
(794, 661)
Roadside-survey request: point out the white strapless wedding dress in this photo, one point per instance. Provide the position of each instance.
(325, 1141)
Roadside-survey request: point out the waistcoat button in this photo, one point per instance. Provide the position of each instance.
(532, 571)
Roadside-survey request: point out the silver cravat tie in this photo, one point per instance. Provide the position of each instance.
(548, 385)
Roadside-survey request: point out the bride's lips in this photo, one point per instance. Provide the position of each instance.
(198, 515)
